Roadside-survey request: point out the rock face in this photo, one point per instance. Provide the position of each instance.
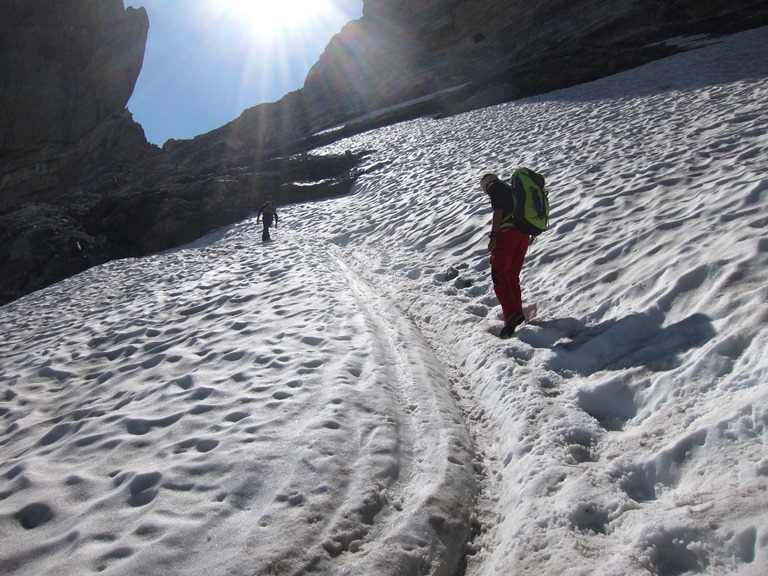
(152, 205)
(66, 67)
(403, 49)
(67, 71)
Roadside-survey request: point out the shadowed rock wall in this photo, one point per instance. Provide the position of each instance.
(66, 66)
(402, 49)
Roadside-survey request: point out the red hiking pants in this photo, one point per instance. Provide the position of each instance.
(506, 264)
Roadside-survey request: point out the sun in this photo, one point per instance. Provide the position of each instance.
(268, 18)
(259, 50)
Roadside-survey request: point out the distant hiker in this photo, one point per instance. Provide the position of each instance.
(507, 245)
(269, 212)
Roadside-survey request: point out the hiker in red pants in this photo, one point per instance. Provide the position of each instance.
(508, 246)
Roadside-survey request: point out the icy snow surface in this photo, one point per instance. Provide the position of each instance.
(329, 403)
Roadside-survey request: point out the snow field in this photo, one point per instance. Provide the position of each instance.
(331, 403)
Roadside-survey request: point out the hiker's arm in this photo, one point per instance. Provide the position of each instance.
(275, 218)
(498, 216)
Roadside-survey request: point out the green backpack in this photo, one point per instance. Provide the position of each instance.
(531, 201)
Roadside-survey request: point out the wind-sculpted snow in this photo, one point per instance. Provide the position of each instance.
(232, 406)
(332, 403)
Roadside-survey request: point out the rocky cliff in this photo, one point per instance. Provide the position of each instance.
(67, 71)
(80, 185)
(66, 67)
(503, 49)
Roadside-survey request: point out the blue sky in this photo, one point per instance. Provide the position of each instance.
(208, 60)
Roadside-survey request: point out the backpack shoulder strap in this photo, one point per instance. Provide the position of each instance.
(534, 177)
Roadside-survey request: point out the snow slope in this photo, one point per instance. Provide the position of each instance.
(330, 403)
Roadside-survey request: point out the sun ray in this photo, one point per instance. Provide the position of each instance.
(267, 19)
(269, 42)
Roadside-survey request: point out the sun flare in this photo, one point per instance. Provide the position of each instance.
(267, 46)
(269, 17)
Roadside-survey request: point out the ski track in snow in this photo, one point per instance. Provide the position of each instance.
(330, 403)
(197, 398)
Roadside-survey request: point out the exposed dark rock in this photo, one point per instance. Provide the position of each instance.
(501, 49)
(65, 68)
(142, 221)
(41, 244)
(96, 164)
(44, 243)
